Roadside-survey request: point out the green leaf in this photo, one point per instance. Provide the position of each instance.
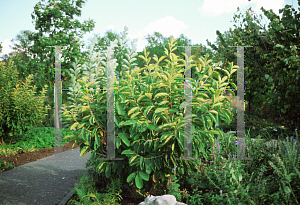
(141, 163)
(148, 166)
(138, 182)
(120, 109)
(128, 151)
(97, 139)
(287, 190)
(267, 76)
(88, 138)
(283, 110)
(91, 120)
(130, 177)
(125, 140)
(108, 170)
(144, 175)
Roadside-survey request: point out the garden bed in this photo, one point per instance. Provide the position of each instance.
(263, 180)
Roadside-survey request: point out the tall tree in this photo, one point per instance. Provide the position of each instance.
(59, 15)
(269, 62)
(19, 53)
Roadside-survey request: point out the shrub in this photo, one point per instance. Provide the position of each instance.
(19, 110)
(149, 123)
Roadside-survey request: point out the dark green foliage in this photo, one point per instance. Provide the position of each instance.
(272, 64)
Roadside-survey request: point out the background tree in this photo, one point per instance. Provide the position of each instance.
(19, 53)
(119, 52)
(157, 42)
(269, 62)
(59, 15)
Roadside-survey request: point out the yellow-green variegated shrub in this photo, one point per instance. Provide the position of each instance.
(149, 119)
(20, 110)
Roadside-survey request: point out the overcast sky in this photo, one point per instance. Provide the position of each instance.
(198, 20)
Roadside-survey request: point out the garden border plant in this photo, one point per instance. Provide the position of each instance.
(149, 79)
(19, 110)
(234, 197)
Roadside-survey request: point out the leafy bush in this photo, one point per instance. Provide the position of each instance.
(19, 110)
(149, 124)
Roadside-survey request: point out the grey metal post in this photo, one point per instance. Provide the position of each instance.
(188, 138)
(240, 104)
(57, 103)
(110, 108)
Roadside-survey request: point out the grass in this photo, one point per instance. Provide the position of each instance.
(272, 177)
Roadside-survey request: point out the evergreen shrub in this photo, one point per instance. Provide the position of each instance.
(149, 117)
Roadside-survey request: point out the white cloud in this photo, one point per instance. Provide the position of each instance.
(5, 47)
(166, 26)
(110, 27)
(6, 44)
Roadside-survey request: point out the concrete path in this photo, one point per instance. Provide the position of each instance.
(43, 182)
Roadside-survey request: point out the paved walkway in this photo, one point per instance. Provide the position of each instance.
(42, 182)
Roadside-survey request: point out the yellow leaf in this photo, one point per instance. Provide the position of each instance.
(134, 115)
(84, 108)
(213, 111)
(208, 61)
(132, 110)
(101, 165)
(149, 95)
(132, 159)
(74, 125)
(90, 83)
(83, 152)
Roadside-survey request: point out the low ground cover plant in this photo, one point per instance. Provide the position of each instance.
(32, 140)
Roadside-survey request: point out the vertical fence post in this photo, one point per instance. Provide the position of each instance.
(57, 102)
(110, 108)
(240, 105)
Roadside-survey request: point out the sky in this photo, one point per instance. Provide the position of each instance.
(197, 20)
